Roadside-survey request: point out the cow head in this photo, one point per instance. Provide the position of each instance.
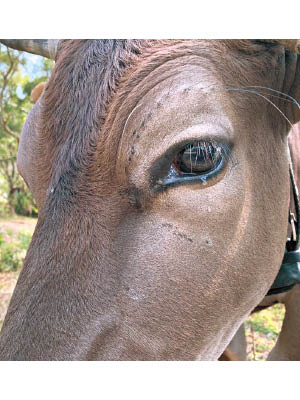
(160, 169)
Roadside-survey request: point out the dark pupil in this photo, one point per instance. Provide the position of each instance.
(197, 159)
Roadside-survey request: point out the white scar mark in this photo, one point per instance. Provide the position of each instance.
(134, 295)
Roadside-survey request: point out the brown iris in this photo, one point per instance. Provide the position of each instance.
(197, 158)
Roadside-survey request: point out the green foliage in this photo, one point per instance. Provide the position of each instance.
(24, 239)
(9, 232)
(5, 208)
(262, 329)
(23, 204)
(13, 251)
(28, 86)
(11, 258)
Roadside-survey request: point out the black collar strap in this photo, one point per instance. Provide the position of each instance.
(289, 273)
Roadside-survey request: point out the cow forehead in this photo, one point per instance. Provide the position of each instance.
(78, 94)
(190, 103)
(180, 93)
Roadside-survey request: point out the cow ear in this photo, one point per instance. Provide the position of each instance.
(37, 91)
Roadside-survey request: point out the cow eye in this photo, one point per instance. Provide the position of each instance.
(197, 162)
(197, 159)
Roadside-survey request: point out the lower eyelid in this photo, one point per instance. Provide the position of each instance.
(173, 179)
(163, 174)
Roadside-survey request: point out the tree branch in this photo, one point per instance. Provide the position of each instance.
(6, 76)
(18, 107)
(8, 130)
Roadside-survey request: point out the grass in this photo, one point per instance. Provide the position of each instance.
(15, 237)
(13, 247)
(262, 328)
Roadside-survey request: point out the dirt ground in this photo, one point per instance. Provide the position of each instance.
(18, 224)
(262, 328)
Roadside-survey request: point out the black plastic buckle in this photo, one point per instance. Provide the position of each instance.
(289, 273)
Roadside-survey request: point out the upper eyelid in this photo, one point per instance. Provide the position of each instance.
(225, 146)
(214, 140)
(207, 148)
(219, 132)
(222, 150)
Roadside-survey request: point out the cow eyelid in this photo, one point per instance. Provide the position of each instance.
(214, 158)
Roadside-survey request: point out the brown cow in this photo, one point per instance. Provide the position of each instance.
(161, 173)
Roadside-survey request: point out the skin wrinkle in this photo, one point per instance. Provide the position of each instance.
(149, 88)
(138, 86)
(134, 126)
(100, 232)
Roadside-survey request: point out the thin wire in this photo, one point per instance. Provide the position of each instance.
(139, 105)
(293, 100)
(264, 97)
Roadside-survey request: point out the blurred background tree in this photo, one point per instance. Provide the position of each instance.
(19, 74)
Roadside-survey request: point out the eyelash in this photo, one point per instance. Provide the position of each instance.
(205, 152)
